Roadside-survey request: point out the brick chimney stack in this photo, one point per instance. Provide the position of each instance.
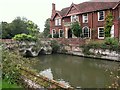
(53, 7)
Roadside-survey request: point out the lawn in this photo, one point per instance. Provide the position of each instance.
(5, 85)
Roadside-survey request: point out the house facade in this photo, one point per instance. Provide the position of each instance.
(90, 15)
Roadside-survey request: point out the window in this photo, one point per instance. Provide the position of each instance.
(101, 33)
(101, 15)
(74, 18)
(57, 22)
(85, 18)
(86, 32)
(53, 32)
(60, 33)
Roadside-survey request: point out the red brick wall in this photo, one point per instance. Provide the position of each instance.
(116, 22)
(70, 41)
(52, 25)
(93, 22)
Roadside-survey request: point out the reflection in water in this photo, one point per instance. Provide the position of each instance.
(47, 73)
(64, 83)
(78, 71)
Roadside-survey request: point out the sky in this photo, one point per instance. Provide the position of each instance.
(36, 10)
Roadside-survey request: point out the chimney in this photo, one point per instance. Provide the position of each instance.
(53, 7)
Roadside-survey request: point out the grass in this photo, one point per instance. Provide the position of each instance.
(4, 84)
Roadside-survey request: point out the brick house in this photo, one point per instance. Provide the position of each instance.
(90, 15)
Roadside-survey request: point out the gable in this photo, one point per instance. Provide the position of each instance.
(57, 15)
(72, 10)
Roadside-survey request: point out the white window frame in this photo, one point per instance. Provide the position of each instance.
(53, 33)
(76, 17)
(99, 33)
(57, 21)
(103, 16)
(85, 18)
(88, 31)
(62, 33)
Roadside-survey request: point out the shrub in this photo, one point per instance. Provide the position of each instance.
(49, 36)
(56, 35)
(55, 46)
(111, 41)
(76, 29)
(108, 24)
(24, 37)
(12, 61)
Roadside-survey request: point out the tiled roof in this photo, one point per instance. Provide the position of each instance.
(89, 7)
(64, 11)
(94, 6)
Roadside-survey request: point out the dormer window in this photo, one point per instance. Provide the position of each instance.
(57, 22)
(74, 18)
(85, 18)
(101, 15)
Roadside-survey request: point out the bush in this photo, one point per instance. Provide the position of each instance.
(24, 37)
(76, 29)
(12, 62)
(111, 41)
(56, 35)
(49, 36)
(55, 46)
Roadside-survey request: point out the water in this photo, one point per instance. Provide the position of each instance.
(77, 71)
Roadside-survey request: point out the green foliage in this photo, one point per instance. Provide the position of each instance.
(50, 36)
(55, 46)
(24, 37)
(19, 26)
(111, 41)
(6, 31)
(5, 84)
(56, 35)
(76, 28)
(108, 24)
(32, 28)
(12, 62)
(10, 67)
(47, 27)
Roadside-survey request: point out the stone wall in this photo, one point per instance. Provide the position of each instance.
(93, 53)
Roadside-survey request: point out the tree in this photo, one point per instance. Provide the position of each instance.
(19, 26)
(108, 24)
(32, 28)
(6, 31)
(76, 29)
(47, 28)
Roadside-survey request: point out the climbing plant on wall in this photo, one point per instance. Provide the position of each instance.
(108, 24)
(76, 29)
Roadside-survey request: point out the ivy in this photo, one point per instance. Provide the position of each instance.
(76, 28)
(108, 24)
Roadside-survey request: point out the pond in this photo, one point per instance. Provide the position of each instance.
(77, 71)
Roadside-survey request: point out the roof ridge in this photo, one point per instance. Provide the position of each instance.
(91, 6)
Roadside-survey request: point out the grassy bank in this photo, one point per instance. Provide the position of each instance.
(12, 61)
(5, 84)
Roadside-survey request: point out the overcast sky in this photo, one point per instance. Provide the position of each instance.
(36, 10)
